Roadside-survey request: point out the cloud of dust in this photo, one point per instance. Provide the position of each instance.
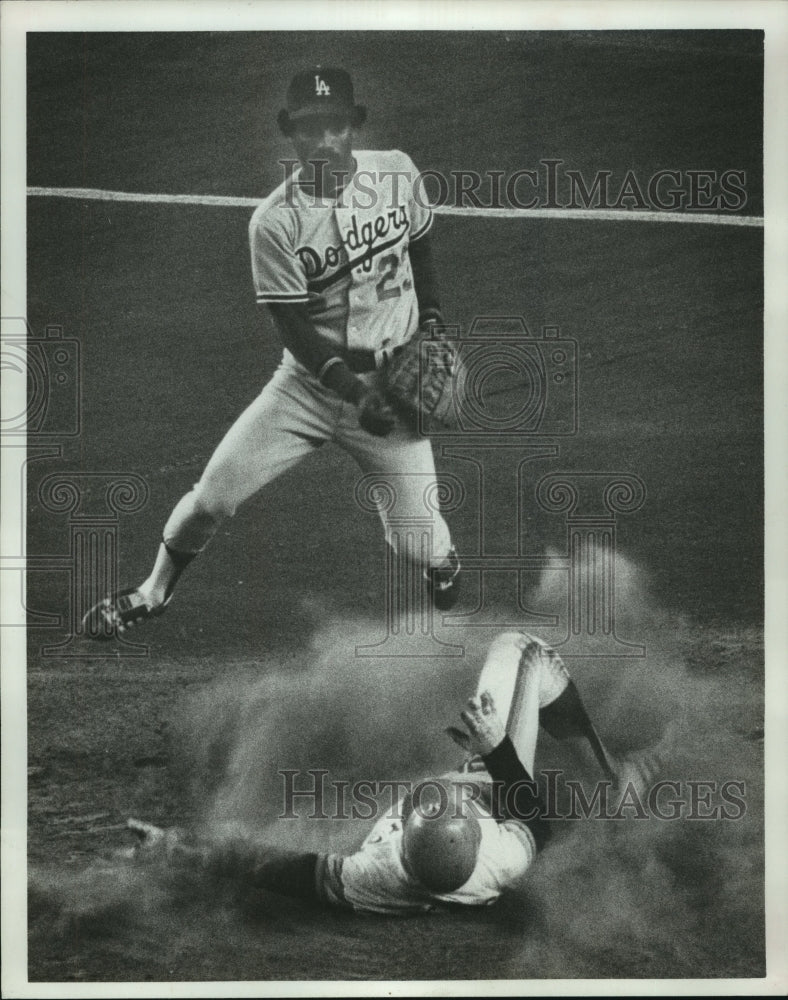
(668, 888)
(655, 895)
(356, 717)
(665, 895)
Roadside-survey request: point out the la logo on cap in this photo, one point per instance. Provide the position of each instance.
(318, 91)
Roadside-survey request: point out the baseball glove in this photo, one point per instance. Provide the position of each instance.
(418, 379)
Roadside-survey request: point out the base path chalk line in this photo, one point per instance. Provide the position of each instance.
(582, 214)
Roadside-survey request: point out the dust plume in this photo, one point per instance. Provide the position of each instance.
(662, 897)
(355, 717)
(631, 897)
(666, 891)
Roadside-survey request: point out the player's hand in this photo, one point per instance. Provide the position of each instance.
(375, 415)
(485, 727)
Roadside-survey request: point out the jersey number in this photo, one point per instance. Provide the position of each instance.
(387, 267)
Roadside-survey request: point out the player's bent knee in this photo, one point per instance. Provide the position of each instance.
(210, 501)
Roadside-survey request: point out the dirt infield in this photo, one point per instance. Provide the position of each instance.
(254, 668)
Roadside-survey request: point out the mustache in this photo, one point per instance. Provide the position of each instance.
(325, 156)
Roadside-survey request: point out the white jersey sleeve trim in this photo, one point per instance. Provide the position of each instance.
(424, 229)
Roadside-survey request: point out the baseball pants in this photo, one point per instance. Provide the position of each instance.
(523, 675)
(293, 416)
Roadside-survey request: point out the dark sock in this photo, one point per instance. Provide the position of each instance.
(566, 717)
(180, 560)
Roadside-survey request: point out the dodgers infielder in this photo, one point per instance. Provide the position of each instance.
(477, 841)
(341, 256)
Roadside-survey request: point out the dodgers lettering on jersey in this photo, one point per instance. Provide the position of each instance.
(348, 258)
(374, 880)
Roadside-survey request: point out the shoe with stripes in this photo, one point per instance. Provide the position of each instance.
(114, 615)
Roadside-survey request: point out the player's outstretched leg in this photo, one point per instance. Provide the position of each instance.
(566, 718)
(188, 530)
(441, 576)
(532, 687)
(265, 441)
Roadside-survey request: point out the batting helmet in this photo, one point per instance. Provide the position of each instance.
(440, 837)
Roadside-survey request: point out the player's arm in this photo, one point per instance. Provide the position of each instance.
(298, 874)
(317, 354)
(518, 794)
(519, 797)
(280, 282)
(425, 281)
(422, 264)
(320, 357)
(276, 869)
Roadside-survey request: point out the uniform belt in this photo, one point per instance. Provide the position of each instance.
(359, 361)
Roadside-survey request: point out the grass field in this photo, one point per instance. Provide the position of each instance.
(253, 668)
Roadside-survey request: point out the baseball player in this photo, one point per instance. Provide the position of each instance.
(341, 257)
(471, 834)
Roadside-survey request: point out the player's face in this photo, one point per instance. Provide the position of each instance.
(324, 139)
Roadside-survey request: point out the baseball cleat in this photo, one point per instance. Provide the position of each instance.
(444, 582)
(112, 616)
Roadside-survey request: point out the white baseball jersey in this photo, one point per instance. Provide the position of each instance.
(346, 258)
(374, 880)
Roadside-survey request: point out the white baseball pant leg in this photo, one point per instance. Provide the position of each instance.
(523, 674)
(287, 421)
(403, 462)
(292, 416)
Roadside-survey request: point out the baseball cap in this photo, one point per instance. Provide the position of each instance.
(320, 91)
